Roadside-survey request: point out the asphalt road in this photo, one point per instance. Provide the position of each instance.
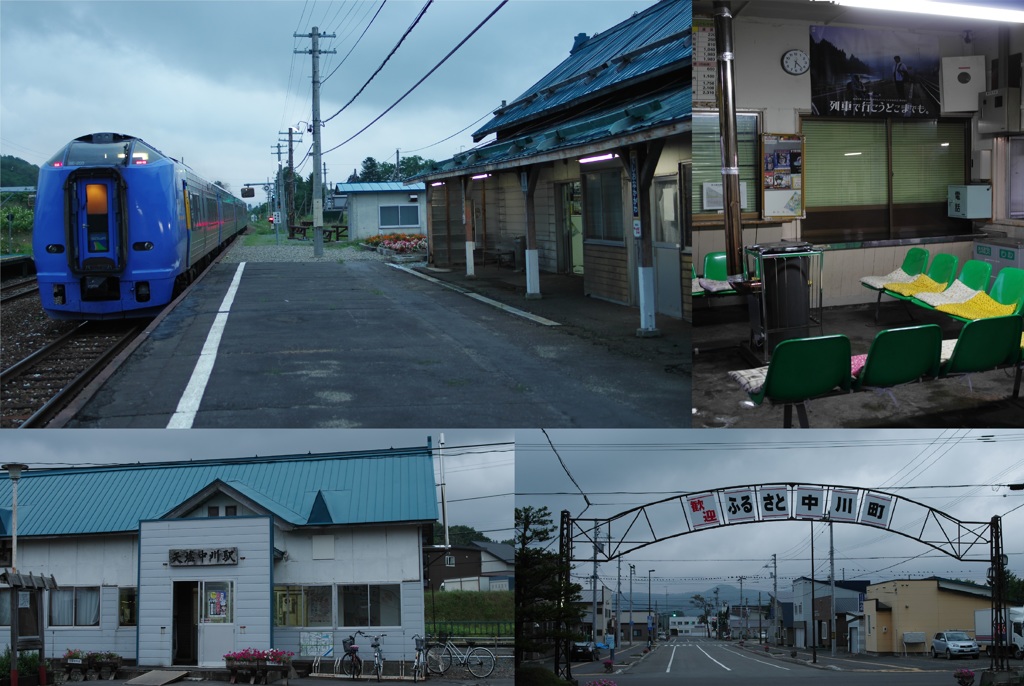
(707, 661)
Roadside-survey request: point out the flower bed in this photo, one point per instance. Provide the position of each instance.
(256, 663)
(400, 243)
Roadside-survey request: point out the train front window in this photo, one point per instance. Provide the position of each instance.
(81, 154)
(96, 217)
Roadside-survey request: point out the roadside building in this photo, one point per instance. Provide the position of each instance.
(815, 618)
(178, 563)
(554, 189)
(902, 615)
(479, 566)
(382, 208)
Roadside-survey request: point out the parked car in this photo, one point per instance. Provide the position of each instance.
(583, 650)
(954, 644)
(662, 636)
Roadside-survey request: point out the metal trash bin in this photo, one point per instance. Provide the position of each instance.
(788, 305)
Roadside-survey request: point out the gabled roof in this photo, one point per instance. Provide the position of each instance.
(654, 41)
(364, 487)
(379, 187)
(502, 551)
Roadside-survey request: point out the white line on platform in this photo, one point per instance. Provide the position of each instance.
(476, 296)
(188, 405)
(713, 659)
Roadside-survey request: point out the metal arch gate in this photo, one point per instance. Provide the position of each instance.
(689, 513)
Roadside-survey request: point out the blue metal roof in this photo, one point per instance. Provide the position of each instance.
(379, 187)
(337, 488)
(607, 126)
(655, 40)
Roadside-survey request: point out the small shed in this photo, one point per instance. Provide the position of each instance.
(384, 207)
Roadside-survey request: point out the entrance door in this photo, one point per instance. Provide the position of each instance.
(216, 621)
(185, 619)
(667, 245)
(572, 227)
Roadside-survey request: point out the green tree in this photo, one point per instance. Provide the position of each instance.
(374, 170)
(542, 587)
(15, 171)
(459, 534)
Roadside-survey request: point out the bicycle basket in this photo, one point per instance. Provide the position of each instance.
(348, 644)
(420, 643)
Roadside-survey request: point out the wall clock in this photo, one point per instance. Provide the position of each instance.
(795, 61)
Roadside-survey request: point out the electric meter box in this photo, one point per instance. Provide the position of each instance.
(970, 202)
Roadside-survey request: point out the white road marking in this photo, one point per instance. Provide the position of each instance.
(188, 405)
(713, 659)
(671, 657)
(747, 657)
(476, 296)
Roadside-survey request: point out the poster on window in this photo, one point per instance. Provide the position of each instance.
(218, 605)
(874, 73)
(782, 170)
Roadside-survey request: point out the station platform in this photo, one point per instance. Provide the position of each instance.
(347, 344)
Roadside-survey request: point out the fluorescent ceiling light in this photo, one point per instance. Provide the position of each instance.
(945, 9)
(943, 145)
(437, 183)
(851, 154)
(480, 176)
(599, 158)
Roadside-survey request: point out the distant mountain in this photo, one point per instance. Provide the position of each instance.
(681, 602)
(15, 171)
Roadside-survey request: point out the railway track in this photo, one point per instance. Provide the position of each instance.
(15, 289)
(36, 388)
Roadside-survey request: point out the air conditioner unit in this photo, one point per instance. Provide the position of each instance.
(962, 78)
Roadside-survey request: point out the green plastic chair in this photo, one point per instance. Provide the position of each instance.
(1008, 289)
(805, 368)
(975, 275)
(899, 356)
(986, 344)
(942, 270)
(697, 292)
(914, 263)
(716, 269)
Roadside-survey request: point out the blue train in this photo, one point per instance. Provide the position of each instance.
(120, 228)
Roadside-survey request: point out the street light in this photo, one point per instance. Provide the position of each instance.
(14, 471)
(650, 609)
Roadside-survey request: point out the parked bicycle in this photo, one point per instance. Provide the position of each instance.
(351, 663)
(479, 661)
(378, 656)
(419, 660)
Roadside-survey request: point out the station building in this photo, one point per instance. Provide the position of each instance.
(178, 563)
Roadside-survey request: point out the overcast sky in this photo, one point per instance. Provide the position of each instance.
(478, 464)
(619, 470)
(214, 81)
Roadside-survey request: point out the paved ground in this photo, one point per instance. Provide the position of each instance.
(363, 344)
(721, 337)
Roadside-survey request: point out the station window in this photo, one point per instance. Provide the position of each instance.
(127, 610)
(602, 205)
(28, 612)
(305, 606)
(1015, 178)
(370, 605)
(706, 185)
(881, 179)
(75, 606)
(399, 216)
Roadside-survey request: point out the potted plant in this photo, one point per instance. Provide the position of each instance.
(608, 665)
(104, 664)
(964, 677)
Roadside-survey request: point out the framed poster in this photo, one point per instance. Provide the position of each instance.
(782, 185)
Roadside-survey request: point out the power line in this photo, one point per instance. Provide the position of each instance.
(354, 45)
(401, 40)
(425, 77)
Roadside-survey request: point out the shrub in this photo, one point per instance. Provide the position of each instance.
(536, 675)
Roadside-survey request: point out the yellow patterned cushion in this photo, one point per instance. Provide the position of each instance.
(922, 284)
(980, 306)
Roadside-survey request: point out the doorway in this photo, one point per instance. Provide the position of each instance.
(185, 618)
(572, 228)
(667, 247)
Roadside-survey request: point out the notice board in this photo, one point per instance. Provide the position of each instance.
(782, 185)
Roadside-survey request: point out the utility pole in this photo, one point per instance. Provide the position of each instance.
(318, 191)
(278, 183)
(742, 599)
(775, 600)
(618, 601)
(597, 547)
(832, 576)
(632, 571)
(718, 630)
(289, 181)
(814, 622)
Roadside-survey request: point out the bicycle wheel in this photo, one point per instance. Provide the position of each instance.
(480, 662)
(439, 659)
(351, 666)
(417, 668)
(378, 667)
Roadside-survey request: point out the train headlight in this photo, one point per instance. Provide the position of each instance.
(142, 245)
(58, 294)
(55, 248)
(142, 292)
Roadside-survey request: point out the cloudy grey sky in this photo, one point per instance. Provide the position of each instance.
(619, 470)
(478, 464)
(214, 81)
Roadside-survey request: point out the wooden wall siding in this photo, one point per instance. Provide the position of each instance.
(254, 539)
(439, 226)
(511, 209)
(547, 233)
(606, 272)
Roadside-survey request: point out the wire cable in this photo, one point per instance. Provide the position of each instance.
(401, 40)
(354, 45)
(425, 77)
